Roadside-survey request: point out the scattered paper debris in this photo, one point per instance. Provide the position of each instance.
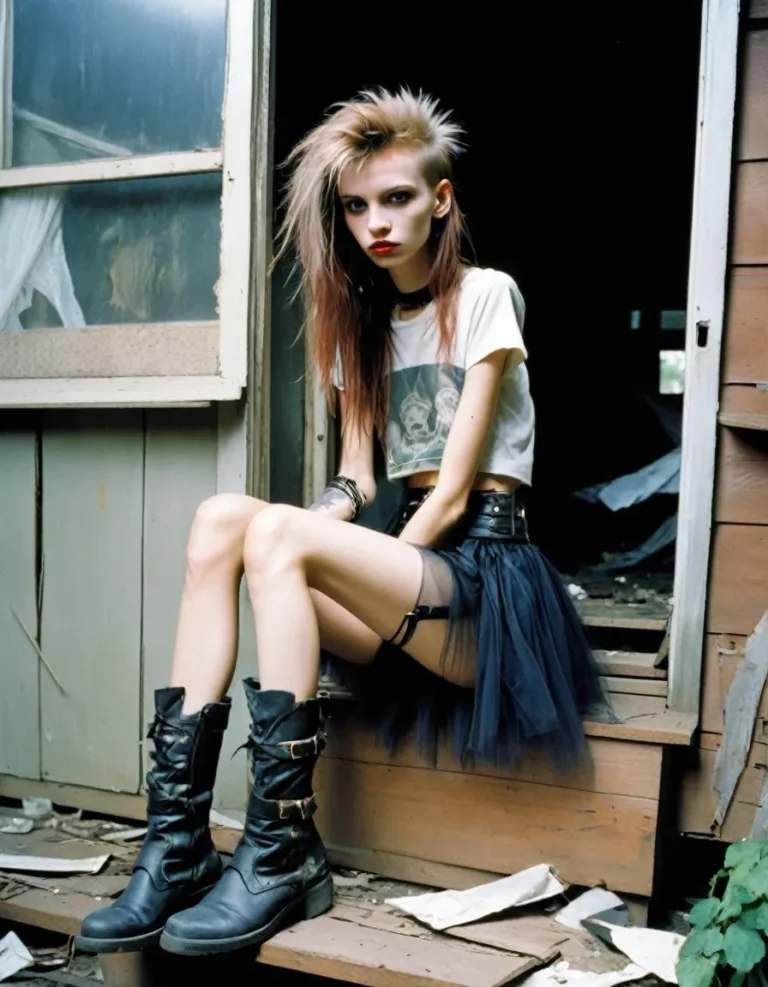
(577, 592)
(14, 956)
(654, 950)
(361, 880)
(442, 909)
(125, 834)
(590, 903)
(16, 824)
(561, 973)
(37, 808)
(52, 865)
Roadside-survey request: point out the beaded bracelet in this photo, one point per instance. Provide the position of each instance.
(350, 487)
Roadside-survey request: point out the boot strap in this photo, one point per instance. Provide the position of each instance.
(286, 810)
(294, 750)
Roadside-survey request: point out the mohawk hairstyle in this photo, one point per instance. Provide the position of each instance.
(347, 299)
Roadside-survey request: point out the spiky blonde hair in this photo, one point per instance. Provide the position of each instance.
(347, 313)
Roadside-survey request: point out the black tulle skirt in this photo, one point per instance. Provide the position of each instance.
(536, 676)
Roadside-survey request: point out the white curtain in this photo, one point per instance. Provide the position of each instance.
(32, 258)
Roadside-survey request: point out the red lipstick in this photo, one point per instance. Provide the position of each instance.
(383, 247)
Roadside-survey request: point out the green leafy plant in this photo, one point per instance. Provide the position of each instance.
(727, 943)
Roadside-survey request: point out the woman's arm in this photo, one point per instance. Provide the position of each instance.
(356, 463)
(463, 450)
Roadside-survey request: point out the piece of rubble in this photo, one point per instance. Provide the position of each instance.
(14, 956)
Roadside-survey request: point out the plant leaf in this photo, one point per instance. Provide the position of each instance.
(702, 942)
(745, 852)
(761, 920)
(736, 895)
(757, 880)
(695, 971)
(744, 948)
(750, 917)
(704, 912)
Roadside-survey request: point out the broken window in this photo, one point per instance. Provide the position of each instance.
(114, 226)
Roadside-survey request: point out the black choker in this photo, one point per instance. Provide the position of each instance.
(408, 301)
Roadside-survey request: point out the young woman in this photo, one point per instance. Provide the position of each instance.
(452, 616)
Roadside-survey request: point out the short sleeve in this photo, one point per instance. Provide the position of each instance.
(496, 323)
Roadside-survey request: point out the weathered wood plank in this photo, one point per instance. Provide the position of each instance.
(745, 359)
(20, 694)
(75, 797)
(753, 143)
(91, 614)
(742, 402)
(698, 802)
(646, 719)
(750, 236)
(636, 664)
(589, 837)
(327, 947)
(634, 687)
(638, 617)
(738, 594)
(758, 8)
(741, 496)
(617, 768)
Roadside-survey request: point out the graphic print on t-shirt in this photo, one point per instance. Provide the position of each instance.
(423, 402)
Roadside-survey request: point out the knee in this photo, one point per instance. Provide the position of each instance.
(270, 542)
(217, 533)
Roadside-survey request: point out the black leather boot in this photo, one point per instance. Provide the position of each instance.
(279, 872)
(178, 863)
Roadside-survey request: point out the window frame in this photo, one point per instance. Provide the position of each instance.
(234, 161)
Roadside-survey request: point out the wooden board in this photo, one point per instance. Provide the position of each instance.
(433, 815)
(636, 664)
(741, 495)
(750, 235)
(738, 595)
(753, 142)
(698, 801)
(646, 719)
(758, 8)
(634, 686)
(721, 658)
(743, 401)
(20, 694)
(745, 359)
(617, 768)
(75, 797)
(91, 616)
(327, 947)
(638, 617)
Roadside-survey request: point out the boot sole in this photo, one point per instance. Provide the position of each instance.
(134, 944)
(315, 902)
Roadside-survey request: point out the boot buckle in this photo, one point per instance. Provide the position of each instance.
(304, 748)
(306, 808)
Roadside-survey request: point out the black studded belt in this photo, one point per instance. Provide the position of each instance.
(487, 515)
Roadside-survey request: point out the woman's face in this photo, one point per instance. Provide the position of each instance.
(389, 206)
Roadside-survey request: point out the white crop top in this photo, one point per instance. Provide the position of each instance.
(425, 391)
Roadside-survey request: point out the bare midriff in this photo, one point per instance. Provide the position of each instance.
(483, 481)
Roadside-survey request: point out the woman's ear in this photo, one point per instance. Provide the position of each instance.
(443, 199)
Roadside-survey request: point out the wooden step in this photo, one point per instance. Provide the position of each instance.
(636, 664)
(645, 719)
(651, 616)
(634, 686)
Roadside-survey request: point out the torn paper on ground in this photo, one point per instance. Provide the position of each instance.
(124, 834)
(590, 903)
(16, 824)
(652, 949)
(442, 909)
(561, 973)
(52, 865)
(14, 956)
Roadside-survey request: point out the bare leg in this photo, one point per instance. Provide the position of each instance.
(376, 578)
(206, 637)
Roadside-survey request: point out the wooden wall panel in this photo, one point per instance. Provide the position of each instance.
(92, 467)
(698, 800)
(758, 8)
(746, 336)
(488, 824)
(617, 767)
(741, 491)
(750, 237)
(723, 654)
(19, 694)
(738, 593)
(753, 141)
